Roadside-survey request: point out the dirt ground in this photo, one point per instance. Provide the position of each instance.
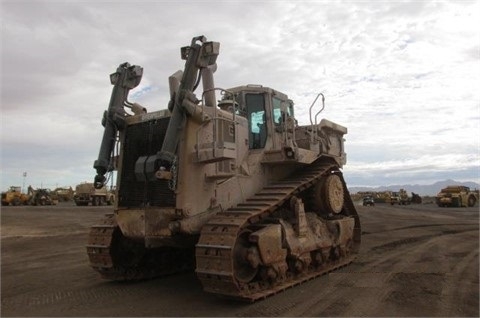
(417, 260)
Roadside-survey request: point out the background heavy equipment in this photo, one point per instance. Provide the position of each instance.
(256, 202)
(378, 196)
(456, 196)
(63, 194)
(416, 198)
(41, 197)
(86, 193)
(14, 196)
(400, 197)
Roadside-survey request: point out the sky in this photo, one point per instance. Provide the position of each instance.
(402, 76)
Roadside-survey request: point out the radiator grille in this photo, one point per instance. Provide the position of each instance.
(143, 139)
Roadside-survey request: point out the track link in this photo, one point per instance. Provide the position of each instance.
(98, 247)
(215, 249)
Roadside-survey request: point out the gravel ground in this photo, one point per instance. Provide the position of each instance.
(417, 260)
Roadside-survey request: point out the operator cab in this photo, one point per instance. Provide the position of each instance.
(265, 109)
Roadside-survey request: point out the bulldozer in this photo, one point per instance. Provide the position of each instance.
(234, 188)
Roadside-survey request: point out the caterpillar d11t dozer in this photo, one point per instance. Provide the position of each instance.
(235, 189)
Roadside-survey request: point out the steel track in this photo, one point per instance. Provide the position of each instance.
(108, 259)
(215, 249)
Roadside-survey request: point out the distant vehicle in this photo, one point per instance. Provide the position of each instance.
(368, 201)
(416, 198)
(400, 198)
(14, 196)
(41, 197)
(63, 194)
(85, 194)
(456, 196)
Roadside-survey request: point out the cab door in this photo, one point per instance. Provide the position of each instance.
(257, 122)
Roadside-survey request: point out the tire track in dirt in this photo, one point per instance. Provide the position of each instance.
(363, 288)
(417, 226)
(52, 298)
(411, 277)
(459, 283)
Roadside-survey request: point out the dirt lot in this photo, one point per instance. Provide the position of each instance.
(417, 260)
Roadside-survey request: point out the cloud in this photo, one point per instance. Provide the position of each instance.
(402, 76)
(425, 169)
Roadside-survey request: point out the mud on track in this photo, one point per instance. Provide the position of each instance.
(417, 260)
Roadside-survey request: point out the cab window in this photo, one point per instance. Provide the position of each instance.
(279, 107)
(257, 136)
(277, 111)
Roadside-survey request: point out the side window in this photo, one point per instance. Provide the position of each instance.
(277, 111)
(257, 136)
(290, 108)
(280, 106)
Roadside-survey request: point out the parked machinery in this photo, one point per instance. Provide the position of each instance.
(258, 200)
(457, 196)
(400, 198)
(416, 198)
(64, 194)
(86, 193)
(14, 196)
(41, 196)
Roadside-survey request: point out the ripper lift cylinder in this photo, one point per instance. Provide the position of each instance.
(197, 56)
(124, 79)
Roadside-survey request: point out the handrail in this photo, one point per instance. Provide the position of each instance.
(323, 107)
(311, 106)
(314, 127)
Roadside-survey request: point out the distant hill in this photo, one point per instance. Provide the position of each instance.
(420, 189)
